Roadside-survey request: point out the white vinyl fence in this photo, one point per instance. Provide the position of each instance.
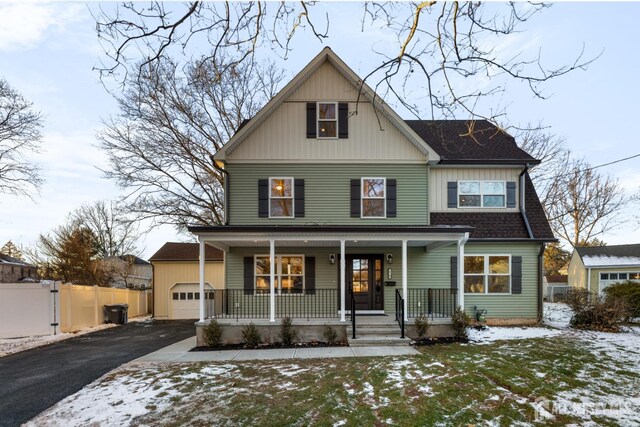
(29, 309)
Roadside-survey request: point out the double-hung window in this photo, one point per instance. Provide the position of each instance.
(373, 198)
(327, 119)
(487, 274)
(485, 194)
(281, 198)
(288, 274)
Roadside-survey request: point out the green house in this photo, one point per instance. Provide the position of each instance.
(335, 204)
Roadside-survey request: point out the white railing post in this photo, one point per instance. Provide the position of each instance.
(343, 281)
(272, 279)
(404, 278)
(460, 283)
(201, 272)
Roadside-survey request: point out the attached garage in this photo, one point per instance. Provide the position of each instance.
(176, 293)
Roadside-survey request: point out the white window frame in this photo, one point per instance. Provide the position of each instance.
(293, 197)
(277, 274)
(481, 194)
(486, 275)
(326, 120)
(362, 198)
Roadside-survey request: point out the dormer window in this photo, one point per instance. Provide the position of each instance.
(485, 194)
(327, 119)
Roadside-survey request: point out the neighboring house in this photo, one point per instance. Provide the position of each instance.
(595, 268)
(329, 193)
(555, 287)
(14, 270)
(129, 271)
(175, 279)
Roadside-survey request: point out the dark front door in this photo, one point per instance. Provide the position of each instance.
(364, 275)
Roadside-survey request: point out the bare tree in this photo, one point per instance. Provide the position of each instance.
(113, 233)
(19, 139)
(447, 60)
(170, 123)
(584, 204)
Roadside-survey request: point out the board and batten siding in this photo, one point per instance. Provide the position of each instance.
(168, 273)
(327, 193)
(440, 176)
(325, 84)
(516, 306)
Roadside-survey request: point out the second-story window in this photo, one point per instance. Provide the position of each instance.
(373, 197)
(486, 194)
(327, 120)
(281, 197)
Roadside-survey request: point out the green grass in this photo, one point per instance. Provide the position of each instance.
(451, 385)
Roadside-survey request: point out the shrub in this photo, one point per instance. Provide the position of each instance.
(212, 333)
(461, 322)
(577, 298)
(288, 334)
(599, 314)
(251, 335)
(627, 291)
(330, 335)
(421, 324)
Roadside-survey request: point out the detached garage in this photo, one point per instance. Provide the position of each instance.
(175, 279)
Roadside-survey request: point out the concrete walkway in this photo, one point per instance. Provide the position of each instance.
(179, 352)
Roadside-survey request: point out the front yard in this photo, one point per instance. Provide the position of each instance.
(552, 376)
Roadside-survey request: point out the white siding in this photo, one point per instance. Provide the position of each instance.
(440, 176)
(326, 84)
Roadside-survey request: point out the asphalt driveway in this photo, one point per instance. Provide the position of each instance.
(33, 380)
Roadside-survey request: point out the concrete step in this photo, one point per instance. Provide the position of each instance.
(388, 331)
(378, 341)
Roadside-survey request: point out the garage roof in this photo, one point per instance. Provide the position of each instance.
(176, 251)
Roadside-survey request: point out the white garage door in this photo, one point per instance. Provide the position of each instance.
(185, 299)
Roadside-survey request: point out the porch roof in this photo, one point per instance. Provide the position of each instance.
(224, 236)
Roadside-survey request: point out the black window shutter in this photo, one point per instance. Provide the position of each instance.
(355, 198)
(299, 195)
(311, 120)
(454, 273)
(343, 120)
(248, 275)
(511, 194)
(516, 274)
(310, 275)
(391, 198)
(263, 198)
(452, 194)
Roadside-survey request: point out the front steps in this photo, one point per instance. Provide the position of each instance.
(377, 335)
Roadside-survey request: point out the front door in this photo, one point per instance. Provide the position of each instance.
(364, 274)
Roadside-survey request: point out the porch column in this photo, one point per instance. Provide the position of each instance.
(404, 278)
(343, 281)
(201, 269)
(460, 283)
(272, 280)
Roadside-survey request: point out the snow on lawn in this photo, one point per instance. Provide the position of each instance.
(497, 333)
(16, 345)
(557, 314)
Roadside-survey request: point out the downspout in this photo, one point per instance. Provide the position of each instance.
(523, 210)
(153, 291)
(225, 188)
(540, 276)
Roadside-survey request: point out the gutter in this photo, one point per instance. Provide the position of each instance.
(540, 282)
(523, 210)
(225, 188)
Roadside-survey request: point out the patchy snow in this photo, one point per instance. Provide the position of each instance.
(557, 315)
(16, 345)
(497, 333)
(606, 261)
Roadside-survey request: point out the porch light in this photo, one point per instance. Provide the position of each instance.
(332, 258)
(389, 259)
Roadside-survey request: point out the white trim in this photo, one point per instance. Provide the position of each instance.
(272, 281)
(326, 120)
(277, 271)
(486, 274)
(481, 193)
(343, 280)
(367, 312)
(404, 279)
(293, 197)
(201, 261)
(362, 198)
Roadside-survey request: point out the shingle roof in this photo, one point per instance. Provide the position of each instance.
(611, 251)
(175, 251)
(134, 259)
(487, 143)
(6, 259)
(502, 225)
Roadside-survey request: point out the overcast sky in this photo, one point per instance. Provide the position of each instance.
(47, 51)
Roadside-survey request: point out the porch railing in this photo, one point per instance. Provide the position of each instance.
(240, 304)
(433, 303)
(400, 312)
